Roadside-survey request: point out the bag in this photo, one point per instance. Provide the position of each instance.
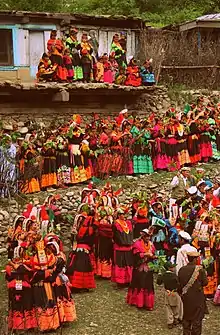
(192, 280)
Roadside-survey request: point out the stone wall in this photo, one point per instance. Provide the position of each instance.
(34, 105)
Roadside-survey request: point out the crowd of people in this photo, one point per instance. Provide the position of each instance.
(126, 145)
(68, 59)
(39, 292)
(175, 236)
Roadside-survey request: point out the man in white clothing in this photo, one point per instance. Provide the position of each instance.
(179, 185)
(182, 259)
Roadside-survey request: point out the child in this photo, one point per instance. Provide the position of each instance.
(114, 65)
(173, 302)
(217, 297)
(120, 77)
(147, 73)
(46, 71)
(67, 61)
(86, 58)
(100, 70)
(108, 75)
(133, 75)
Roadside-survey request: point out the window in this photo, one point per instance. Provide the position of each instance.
(6, 47)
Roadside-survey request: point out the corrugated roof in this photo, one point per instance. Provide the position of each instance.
(209, 17)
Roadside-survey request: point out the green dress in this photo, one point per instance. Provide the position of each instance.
(120, 55)
(74, 47)
(142, 162)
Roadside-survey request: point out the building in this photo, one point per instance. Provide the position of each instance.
(24, 37)
(211, 21)
(186, 54)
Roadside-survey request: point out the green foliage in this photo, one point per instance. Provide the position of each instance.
(158, 265)
(156, 12)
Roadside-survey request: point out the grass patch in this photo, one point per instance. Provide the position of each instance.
(105, 312)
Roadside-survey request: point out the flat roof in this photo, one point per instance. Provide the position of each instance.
(72, 18)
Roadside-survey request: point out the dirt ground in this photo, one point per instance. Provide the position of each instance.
(104, 312)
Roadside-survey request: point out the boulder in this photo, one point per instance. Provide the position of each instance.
(70, 194)
(3, 251)
(5, 214)
(152, 186)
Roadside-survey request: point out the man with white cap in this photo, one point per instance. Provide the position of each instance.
(184, 241)
(201, 189)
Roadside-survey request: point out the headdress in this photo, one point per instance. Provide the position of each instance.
(17, 252)
(77, 119)
(122, 210)
(158, 222)
(26, 225)
(18, 217)
(41, 252)
(55, 246)
(123, 111)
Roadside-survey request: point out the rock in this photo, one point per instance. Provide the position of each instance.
(65, 249)
(2, 239)
(12, 202)
(23, 130)
(5, 214)
(13, 215)
(3, 250)
(20, 124)
(151, 187)
(70, 194)
(1, 217)
(131, 178)
(92, 324)
(64, 210)
(66, 203)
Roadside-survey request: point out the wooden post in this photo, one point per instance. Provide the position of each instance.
(162, 53)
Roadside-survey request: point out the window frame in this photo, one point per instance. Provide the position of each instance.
(9, 42)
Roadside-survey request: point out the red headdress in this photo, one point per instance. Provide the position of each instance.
(77, 119)
(27, 213)
(43, 214)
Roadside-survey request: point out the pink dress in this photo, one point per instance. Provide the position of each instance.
(217, 297)
(108, 73)
(141, 289)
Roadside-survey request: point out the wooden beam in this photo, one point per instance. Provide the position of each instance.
(208, 24)
(187, 26)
